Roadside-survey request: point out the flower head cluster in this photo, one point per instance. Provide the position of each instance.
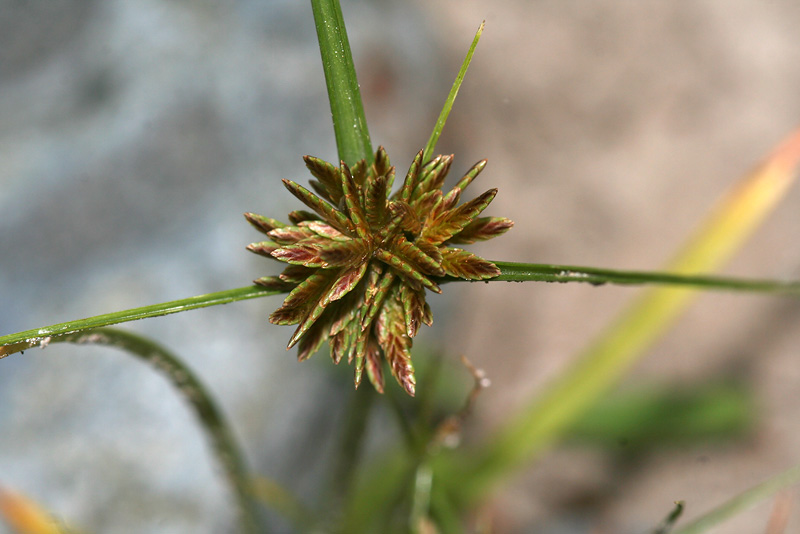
(361, 260)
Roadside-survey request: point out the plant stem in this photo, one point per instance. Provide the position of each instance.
(348, 454)
(211, 418)
(535, 272)
(511, 272)
(20, 341)
(349, 121)
(421, 498)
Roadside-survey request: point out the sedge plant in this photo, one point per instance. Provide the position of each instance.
(360, 257)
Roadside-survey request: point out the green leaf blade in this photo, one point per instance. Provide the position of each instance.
(451, 97)
(349, 121)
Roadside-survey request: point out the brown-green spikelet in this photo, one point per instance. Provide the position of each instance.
(359, 263)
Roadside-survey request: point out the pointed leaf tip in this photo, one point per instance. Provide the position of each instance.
(328, 213)
(374, 365)
(261, 223)
(463, 264)
(263, 248)
(450, 223)
(328, 176)
(482, 229)
(471, 174)
(274, 283)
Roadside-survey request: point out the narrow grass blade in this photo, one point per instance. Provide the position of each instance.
(549, 415)
(448, 104)
(349, 121)
(20, 341)
(421, 499)
(205, 407)
(653, 416)
(741, 502)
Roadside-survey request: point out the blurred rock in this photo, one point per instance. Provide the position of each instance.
(134, 134)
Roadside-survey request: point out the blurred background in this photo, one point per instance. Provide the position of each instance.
(134, 134)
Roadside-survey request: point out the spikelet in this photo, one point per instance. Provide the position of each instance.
(360, 261)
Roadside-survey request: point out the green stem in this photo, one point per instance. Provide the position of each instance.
(511, 272)
(20, 341)
(211, 418)
(349, 121)
(536, 272)
(344, 468)
(421, 498)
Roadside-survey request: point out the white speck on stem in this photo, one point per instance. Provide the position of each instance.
(573, 274)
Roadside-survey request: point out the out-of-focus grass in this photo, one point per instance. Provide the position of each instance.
(549, 416)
